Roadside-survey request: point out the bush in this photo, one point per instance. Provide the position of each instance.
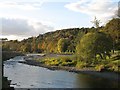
(99, 67)
(81, 64)
(114, 68)
(51, 61)
(59, 61)
(66, 59)
(73, 63)
(54, 63)
(116, 62)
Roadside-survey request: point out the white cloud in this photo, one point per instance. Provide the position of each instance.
(26, 4)
(13, 37)
(102, 9)
(23, 28)
(21, 5)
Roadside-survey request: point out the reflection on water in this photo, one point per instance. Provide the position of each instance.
(95, 82)
(26, 76)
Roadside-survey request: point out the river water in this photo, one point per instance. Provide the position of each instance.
(27, 76)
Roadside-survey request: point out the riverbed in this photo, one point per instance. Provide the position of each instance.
(29, 76)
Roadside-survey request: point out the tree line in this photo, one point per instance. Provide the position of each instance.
(98, 40)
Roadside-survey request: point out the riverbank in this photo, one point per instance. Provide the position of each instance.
(90, 71)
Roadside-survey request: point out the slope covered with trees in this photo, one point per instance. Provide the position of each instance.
(48, 42)
(91, 46)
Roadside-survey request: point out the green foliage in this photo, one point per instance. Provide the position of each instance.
(92, 44)
(116, 62)
(92, 48)
(51, 61)
(113, 29)
(48, 42)
(59, 61)
(81, 65)
(115, 68)
(114, 65)
(9, 45)
(67, 61)
(100, 67)
(26, 47)
(62, 45)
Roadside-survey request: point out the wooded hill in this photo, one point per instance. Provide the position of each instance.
(63, 41)
(48, 42)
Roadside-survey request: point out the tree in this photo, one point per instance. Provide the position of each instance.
(33, 45)
(26, 47)
(93, 44)
(39, 48)
(71, 47)
(3, 39)
(96, 22)
(113, 29)
(62, 45)
(5, 47)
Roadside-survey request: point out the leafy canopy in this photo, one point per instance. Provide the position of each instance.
(92, 44)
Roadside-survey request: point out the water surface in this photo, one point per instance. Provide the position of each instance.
(27, 76)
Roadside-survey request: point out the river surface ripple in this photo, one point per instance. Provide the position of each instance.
(27, 76)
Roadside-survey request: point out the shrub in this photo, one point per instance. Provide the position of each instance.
(114, 68)
(99, 67)
(60, 61)
(116, 62)
(52, 61)
(66, 59)
(81, 64)
(72, 63)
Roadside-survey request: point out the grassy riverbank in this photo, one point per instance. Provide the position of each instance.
(71, 64)
(110, 64)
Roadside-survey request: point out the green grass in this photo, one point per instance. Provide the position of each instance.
(58, 61)
(81, 64)
(109, 64)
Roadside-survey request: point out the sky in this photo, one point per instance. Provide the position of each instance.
(20, 19)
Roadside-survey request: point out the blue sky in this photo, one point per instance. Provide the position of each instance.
(25, 18)
(61, 17)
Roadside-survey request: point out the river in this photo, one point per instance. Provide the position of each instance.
(27, 76)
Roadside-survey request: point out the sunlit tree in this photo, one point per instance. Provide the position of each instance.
(92, 44)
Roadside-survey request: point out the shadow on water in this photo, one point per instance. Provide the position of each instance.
(89, 81)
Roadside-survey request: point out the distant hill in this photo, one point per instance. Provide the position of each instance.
(48, 42)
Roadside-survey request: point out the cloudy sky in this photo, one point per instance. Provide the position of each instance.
(20, 19)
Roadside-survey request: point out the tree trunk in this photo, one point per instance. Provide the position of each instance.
(113, 47)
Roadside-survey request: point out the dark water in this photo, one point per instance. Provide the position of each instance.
(26, 76)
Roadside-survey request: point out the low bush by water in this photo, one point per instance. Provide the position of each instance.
(111, 64)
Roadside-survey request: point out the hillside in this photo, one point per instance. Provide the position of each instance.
(68, 39)
(48, 42)
(92, 47)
